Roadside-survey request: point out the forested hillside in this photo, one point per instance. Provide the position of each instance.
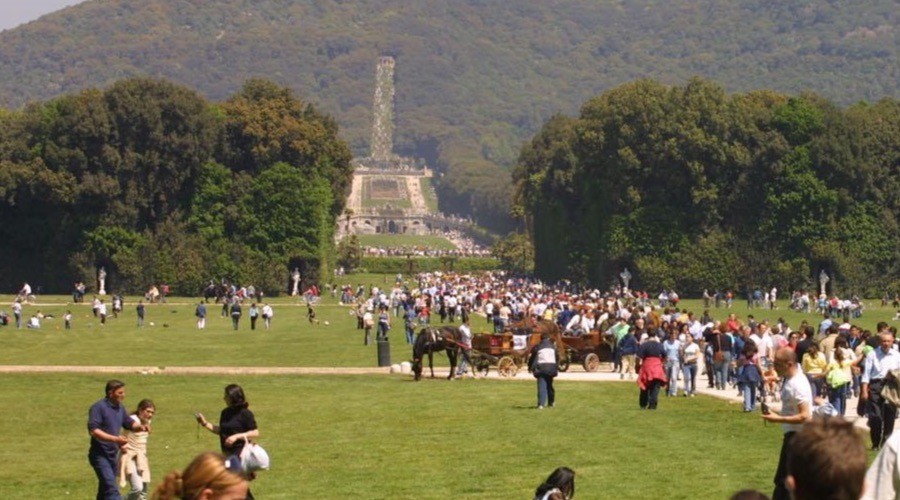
(156, 184)
(693, 188)
(474, 77)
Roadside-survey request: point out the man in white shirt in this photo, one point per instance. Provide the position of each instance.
(465, 348)
(881, 413)
(267, 314)
(883, 477)
(796, 410)
(17, 312)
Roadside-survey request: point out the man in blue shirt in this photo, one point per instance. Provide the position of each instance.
(105, 418)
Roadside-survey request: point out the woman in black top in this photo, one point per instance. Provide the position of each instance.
(236, 423)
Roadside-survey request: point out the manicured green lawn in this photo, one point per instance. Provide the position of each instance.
(405, 241)
(292, 341)
(389, 437)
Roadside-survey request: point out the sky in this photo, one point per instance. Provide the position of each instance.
(16, 12)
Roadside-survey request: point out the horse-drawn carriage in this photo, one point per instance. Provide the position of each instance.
(589, 349)
(507, 351)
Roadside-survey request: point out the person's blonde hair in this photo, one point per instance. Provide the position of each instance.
(207, 470)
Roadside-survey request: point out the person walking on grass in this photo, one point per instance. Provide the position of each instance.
(236, 314)
(201, 315)
(254, 315)
(544, 365)
(106, 418)
(140, 313)
(267, 314)
(652, 376)
(237, 424)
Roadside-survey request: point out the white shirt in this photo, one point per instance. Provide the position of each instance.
(796, 390)
(267, 311)
(466, 339)
(883, 477)
(878, 364)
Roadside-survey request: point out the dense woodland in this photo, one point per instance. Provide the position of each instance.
(475, 78)
(155, 183)
(691, 187)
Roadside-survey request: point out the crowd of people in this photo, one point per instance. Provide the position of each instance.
(422, 251)
(812, 368)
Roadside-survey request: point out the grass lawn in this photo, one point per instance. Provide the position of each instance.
(405, 240)
(388, 437)
(428, 193)
(292, 341)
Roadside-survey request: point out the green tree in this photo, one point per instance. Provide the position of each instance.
(515, 253)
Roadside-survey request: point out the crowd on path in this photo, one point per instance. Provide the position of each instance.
(811, 369)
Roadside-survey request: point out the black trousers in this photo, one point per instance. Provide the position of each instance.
(650, 396)
(781, 492)
(882, 415)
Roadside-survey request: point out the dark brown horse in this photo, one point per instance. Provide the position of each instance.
(431, 339)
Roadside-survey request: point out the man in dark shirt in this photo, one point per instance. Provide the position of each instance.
(105, 418)
(140, 313)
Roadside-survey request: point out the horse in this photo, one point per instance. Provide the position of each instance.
(432, 339)
(210, 292)
(218, 292)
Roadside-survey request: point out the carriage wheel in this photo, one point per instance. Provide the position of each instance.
(563, 363)
(507, 367)
(591, 362)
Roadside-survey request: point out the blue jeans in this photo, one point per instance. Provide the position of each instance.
(546, 393)
(689, 371)
(672, 370)
(722, 370)
(749, 391)
(464, 362)
(410, 335)
(838, 398)
(107, 488)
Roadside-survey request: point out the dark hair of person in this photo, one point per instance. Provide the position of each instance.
(234, 396)
(749, 349)
(839, 345)
(563, 479)
(143, 405)
(749, 495)
(113, 385)
(827, 461)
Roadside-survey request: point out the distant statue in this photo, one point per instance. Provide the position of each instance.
(823, 280)
(295, 276)
(101, 277)
(626, 278)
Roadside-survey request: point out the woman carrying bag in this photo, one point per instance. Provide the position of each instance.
(237, 425)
